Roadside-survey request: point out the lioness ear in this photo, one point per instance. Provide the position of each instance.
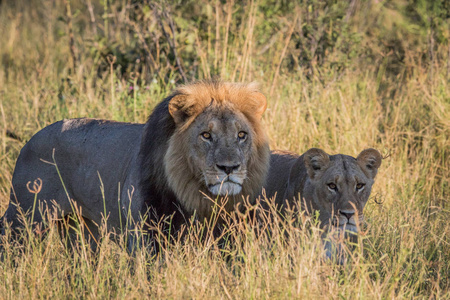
(180, 109)
(369, 160)
(316, 161)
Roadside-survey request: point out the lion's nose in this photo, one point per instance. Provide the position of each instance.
(228, 169)
(347, 214)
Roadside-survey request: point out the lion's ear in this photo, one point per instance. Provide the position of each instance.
(180, 108)
(369, 160)
(260, 103)
(254, 105)
(316, 161)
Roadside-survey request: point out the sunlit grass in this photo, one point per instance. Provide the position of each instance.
(403, 253)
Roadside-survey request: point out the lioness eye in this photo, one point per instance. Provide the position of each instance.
(206, 135)
(242, 135)
(332, 186)
(360, 186)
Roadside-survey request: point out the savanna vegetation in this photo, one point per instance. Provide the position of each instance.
(339, 75)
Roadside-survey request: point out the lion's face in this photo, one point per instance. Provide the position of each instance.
(221, 142)
(340, 185)
(219, 147)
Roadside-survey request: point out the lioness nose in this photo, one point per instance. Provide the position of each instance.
(347, 214)
(228, 169)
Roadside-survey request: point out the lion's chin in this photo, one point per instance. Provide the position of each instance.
(349, 232)
(349, 228)
(225, 188)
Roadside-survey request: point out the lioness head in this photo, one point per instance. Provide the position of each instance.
(219, 147)
(338, 186)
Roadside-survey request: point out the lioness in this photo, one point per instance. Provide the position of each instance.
(203, 141)
(337, 186)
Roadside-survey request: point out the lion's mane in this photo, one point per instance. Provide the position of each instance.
(167, 183)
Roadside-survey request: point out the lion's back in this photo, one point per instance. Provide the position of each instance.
(82, 150)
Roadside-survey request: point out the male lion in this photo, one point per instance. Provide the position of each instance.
(337, 186)
(205, 141)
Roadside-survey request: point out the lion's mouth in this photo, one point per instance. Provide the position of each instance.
(224, 188)
(348, 226)
(224, 185)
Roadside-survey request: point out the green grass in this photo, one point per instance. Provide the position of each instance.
(379, 79)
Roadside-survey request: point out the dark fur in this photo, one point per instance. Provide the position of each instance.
(157, 195)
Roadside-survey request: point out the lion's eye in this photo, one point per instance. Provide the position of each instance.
(360, 186)
(332, 186)
(242, 135)
(206, 135)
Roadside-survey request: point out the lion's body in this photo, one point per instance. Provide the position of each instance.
(281, 163)
(165, 165)
(87, 153)
(305, 180)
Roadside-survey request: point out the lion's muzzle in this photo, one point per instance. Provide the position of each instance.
(226, 181)
(225, 188)
(348, 220)
(228, 169)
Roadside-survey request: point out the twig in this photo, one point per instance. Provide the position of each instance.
(203, 57)
(92, 15)
(71, 38)
(350, 10)
(111, 61)
(431, 51)
(173, 45)
(227, 29)
(248, 41)
(171, 41)
(105, 18)
(448, 62)
(144, 44)
(5, 129)
(216, 41)
(288, 39)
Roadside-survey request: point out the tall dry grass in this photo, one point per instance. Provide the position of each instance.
(400, 107)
